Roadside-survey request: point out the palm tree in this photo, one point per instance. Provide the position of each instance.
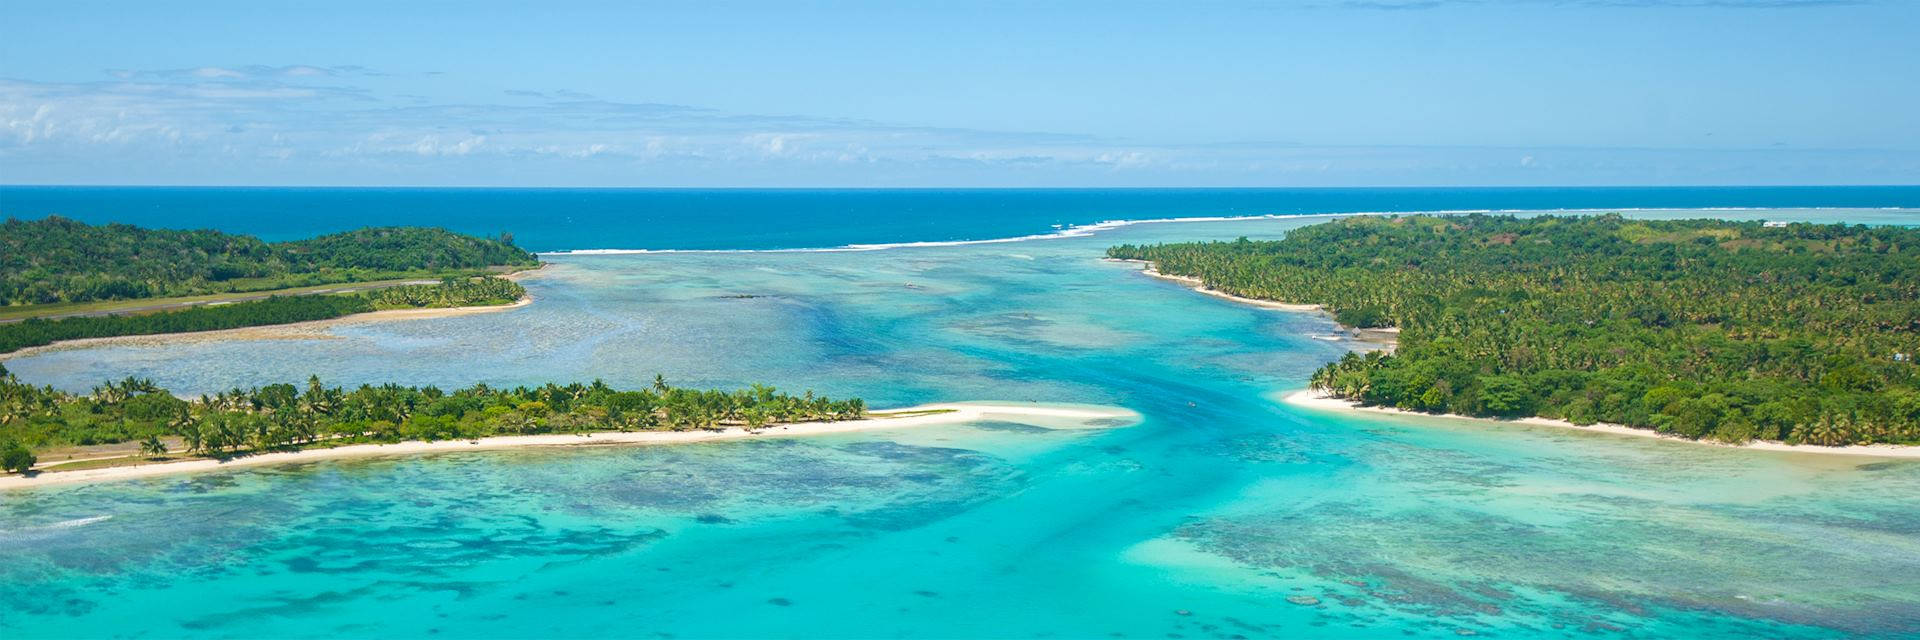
(1825, 432)
(187, 425)
(152, 447)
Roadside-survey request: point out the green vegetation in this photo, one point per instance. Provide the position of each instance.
(283, 416)
(56, 260)
(452, 292)
(1697, 328)
(16, 457)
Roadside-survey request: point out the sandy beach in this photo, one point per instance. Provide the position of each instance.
(309, 330)
(1198, 285)
(1385, 339)
(1049, 416)
(1319, 400)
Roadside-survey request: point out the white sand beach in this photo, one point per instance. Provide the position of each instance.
(1320, 400)
(1042, 415)
(1198, 285)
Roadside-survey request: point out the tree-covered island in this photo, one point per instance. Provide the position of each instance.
(449, 293)
(71, 265)
(57, 260)
(64, 280)
(281, 417)
(1731, 331)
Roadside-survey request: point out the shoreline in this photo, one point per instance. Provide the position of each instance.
(304, 330)
(519, 274)
(1385, 339)
(1319, 400)
(1064, 417)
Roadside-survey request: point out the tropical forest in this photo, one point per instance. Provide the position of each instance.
(1729, 331)
(285, 416)
(58, 260)
(451, 292)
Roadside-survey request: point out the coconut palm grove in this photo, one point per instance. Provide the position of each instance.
(1698, 328)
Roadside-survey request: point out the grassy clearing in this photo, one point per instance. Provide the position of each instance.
(146, 305)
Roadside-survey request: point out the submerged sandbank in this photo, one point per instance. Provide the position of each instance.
(1056, 416)
(1320, 400)
(1383, 339)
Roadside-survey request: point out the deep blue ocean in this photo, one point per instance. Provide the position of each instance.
(566, 219)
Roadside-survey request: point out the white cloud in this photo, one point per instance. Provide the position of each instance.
(247, 72)
(437, 146)
(286, 125)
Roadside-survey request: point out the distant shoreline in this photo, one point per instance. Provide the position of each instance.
(1082, 230)
(304, 330)
(1053, 416)
(1320, 400)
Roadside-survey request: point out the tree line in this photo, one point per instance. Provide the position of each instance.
(451, 292)
(283, 416)
(1731, 331)
(55, 260)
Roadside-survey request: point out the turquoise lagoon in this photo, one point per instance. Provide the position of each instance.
(1225, 514)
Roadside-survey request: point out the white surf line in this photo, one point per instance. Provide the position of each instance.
(1080, 231)
(1077, 231)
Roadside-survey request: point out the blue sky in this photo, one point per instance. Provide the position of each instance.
(1310, 93)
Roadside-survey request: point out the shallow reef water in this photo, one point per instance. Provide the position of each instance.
(1224, 514)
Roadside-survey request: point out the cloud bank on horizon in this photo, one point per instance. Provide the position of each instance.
(1374, 92)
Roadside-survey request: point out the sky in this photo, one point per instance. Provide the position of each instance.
(977, 94)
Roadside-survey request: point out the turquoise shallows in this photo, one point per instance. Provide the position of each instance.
(1225, 514)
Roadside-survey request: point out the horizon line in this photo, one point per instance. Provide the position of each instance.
(967, 188)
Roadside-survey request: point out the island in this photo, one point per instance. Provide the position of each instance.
(66, 280)
(55, 260)
(1702, 329)
(284, 418)
(65, 283)
(132, 428)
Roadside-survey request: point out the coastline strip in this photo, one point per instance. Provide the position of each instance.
(289, 331)
(1201, 286)
(1385, 339)
(1050, 416)
(1320, 400)
(138, 306)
